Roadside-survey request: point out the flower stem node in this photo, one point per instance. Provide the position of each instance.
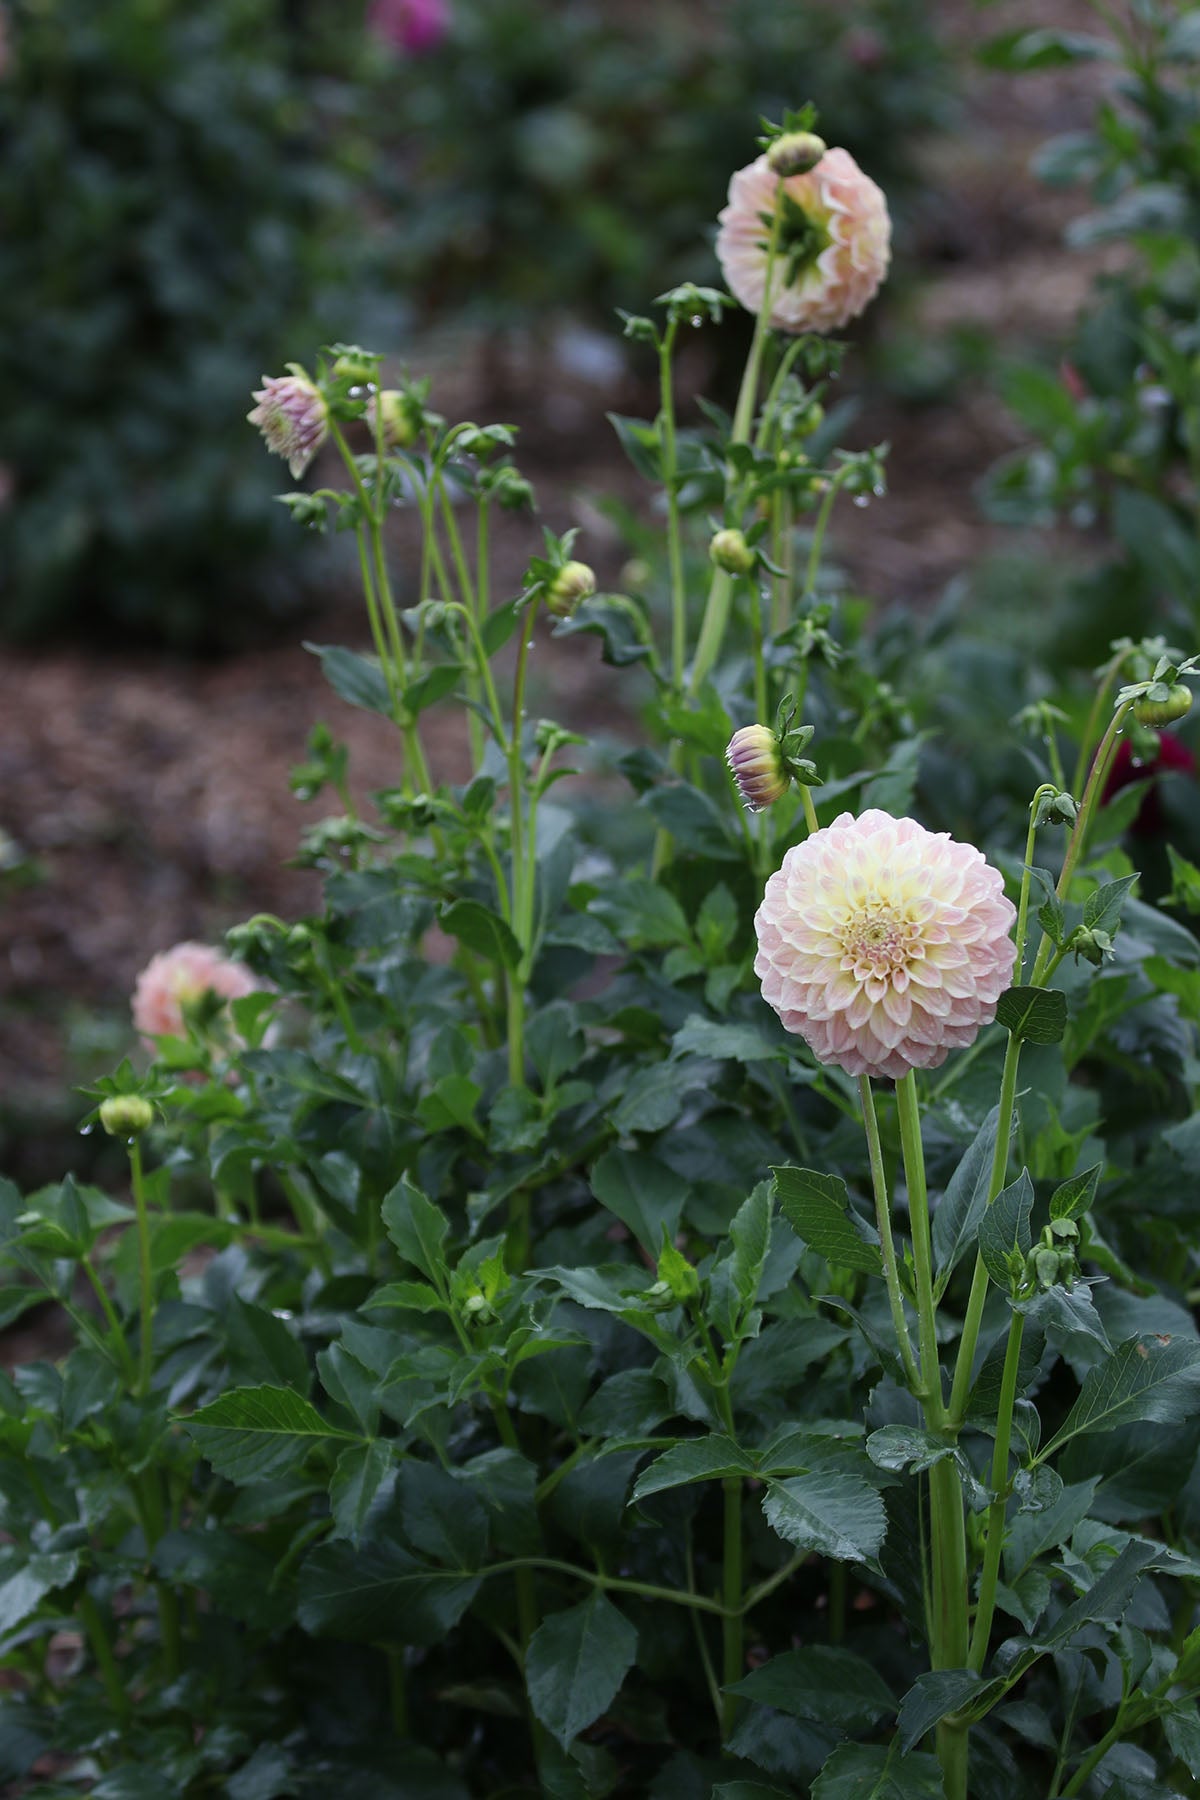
(730, 551)
(126, 1115)
(574, 582)
(1162, 705)
(795, 153)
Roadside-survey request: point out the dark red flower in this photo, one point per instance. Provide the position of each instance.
(1130, 766)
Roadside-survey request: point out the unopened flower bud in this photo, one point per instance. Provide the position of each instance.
(730, 551)
(358, 370)
(126, 1115)
(573, 583)
(757, 766)
(292, 416)
(1162, 705)
(400, 418)
(795, 153)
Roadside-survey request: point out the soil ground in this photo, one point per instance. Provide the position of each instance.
(150, 795)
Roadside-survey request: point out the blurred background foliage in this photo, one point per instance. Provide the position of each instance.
(190, 191)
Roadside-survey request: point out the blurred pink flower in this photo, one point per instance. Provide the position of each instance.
(179, 977)
(410, 25)
(834, 242)
(292, 416)
(884, 945)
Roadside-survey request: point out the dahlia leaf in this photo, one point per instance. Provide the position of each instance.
(575, 1664)
(817, 1207)
(1004, 1234)
(1155, 1378)
(1039, 1015)
(876, 1772)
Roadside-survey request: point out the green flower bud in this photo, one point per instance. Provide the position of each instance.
(795, 153)
(574, 582)
(730, 551)
(400, 418)
(1161, 705)
(358, 370)
(126, 1115)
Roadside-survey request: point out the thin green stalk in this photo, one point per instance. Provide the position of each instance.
(145, 1274)
(1075, 844)
(465, 585)
(887, 1243)
(733, 1627)
(397, 1691)
(810, 811)
(706, 1662)
(120, 1341)
(773, 392)
(617, 1584)
(997, 1511)
(821, 526)
(949, 1627)
(522, 897)
(106, 1662)
(716, 611)
(670, 480)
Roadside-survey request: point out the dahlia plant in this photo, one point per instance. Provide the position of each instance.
(693, 1323)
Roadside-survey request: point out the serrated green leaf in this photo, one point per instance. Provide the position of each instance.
(1004, 1231)
(481, 930)
(643, 1192)
(363, 1472)
(1037, 1015)
(724, 1041)
(821, 1682)
(256, 1433)
(839, 1515)
(1154, 1378)
(931, 1697)
(359, 680)
(26, 1580)
(441, 1515)
(873, 1772)
(817, 1207)
(379, 1593)
(956, 1220)
(1102, 909)
(1071, 1199)
(698, 1459)
(898, 1447)
(575, 1663)
(418, 1229)
(750, 1235)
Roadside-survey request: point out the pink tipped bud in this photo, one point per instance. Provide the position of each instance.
(756, 764)
(292, 416)
(795, 153)
(730, 551)
(573, 583)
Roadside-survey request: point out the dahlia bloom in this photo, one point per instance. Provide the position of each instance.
(179, 977)
(753, 756)
(410, 25)
(884, 945)
(834, 242)
(292, 416)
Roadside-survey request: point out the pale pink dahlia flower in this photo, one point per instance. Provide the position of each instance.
(179, 977)
(884, 945)
(292, 416)
(834, 242)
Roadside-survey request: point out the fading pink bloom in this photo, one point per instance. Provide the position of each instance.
(179, 977)
(292, 416)
(413, 26)
(834, 242)
(884, 945)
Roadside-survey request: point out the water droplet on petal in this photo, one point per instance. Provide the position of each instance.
(861, 500)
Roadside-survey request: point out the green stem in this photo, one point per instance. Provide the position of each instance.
(106, 1662)
(732, 1632)
(670, 485)
(397, 1692)
(1091, 795)
(145, 1274)
(821, 526)
(716, 611)
(697, 1623)
(887, 1243)
(773, 392)
(120, 1341)
(918, 1209)
(617, 1584)
(810, 811)
(997, 1511)
(522, 897)
(948, 1625)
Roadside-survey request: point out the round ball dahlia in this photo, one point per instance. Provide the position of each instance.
(292, 416)
(834, 242)
(884, 945)
(179, 977)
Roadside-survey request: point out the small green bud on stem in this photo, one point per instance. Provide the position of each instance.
(1162, 705)
(730, 551)
(795, 153)
(126, 1115)
(574, 582)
